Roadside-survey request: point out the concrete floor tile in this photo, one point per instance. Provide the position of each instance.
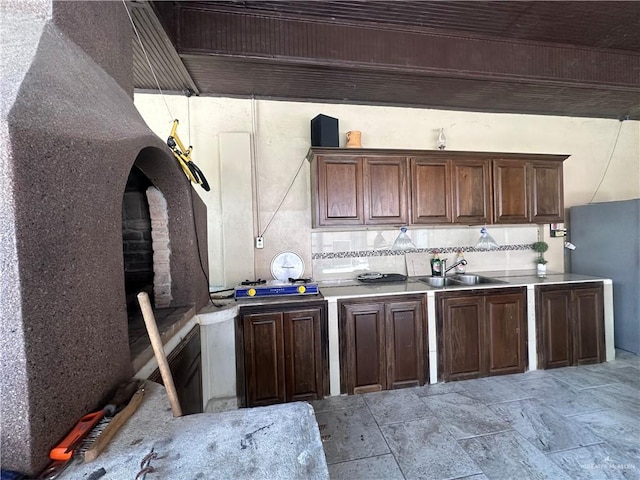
(613, 365)
(558, 410)
(541, 386)
(597, 462)
(425, 449)
(628, 357)
(381, 467)
(626, 375)
(350, 434)
(439, 389)
(542, 427)
(578, 378)
(619, 397)
(619, 429)
(393, 406)
(338, 402)
(463, 415)
(494, 390)
(562, 399)
(507, 455)
(529, 375)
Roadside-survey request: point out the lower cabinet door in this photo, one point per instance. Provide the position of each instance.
(302, 355)
(364, 348)
(404, 344)
(462, 336)
(588, 325)
(506, 327)
(554, 331)
(264, 358)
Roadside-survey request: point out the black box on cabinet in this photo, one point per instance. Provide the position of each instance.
(324, 131)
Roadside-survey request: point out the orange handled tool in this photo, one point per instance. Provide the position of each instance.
(64, 450)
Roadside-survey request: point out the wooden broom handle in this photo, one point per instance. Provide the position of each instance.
(158, 350)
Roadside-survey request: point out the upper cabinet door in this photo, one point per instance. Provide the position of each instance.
(471, 191)
(385, 190)
(430, 185)
(510, 191)
(339, 194)
(547, 193)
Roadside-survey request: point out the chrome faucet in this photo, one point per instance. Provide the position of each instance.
(443, 265)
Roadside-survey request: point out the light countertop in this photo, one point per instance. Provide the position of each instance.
(518, 278)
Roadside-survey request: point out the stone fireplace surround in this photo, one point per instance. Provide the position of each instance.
(70, 135)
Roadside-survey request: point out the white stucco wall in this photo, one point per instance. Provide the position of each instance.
(283, 138)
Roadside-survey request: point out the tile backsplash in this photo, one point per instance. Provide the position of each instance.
(338, 255)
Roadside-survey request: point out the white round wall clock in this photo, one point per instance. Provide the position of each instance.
(286, 265)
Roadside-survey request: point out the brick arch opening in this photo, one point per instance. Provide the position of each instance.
(146, 245)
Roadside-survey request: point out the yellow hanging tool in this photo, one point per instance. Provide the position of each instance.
(183, 155)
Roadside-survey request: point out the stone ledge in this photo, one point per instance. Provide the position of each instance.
(280, 441)
(170, 321)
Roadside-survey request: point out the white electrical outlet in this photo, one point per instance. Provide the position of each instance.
(259, 242)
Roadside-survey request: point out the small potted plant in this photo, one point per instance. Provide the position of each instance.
(540, 248)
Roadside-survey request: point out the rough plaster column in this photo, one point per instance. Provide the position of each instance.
(70, 135)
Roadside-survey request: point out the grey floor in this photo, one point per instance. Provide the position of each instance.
(570, 423)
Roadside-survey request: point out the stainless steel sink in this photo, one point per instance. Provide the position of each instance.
(470, 279)
(439, 281)
(459, 280)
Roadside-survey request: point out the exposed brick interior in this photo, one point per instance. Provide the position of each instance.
(161, 247)
(137, 245)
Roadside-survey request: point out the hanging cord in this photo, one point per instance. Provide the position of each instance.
(284, 197)
(615, 143)
(153, 73)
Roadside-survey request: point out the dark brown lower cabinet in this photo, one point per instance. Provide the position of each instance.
(186, 369)
(570, 326)
(382, 344)
(482, 333)
(282, 354)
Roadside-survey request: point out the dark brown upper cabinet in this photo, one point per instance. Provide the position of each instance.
(359, 187)
(385, 190)
(360, 191)
(430, 184)
(450, 190)
(547, 192)
(528, 191)
(471, 191)
(338, 198)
